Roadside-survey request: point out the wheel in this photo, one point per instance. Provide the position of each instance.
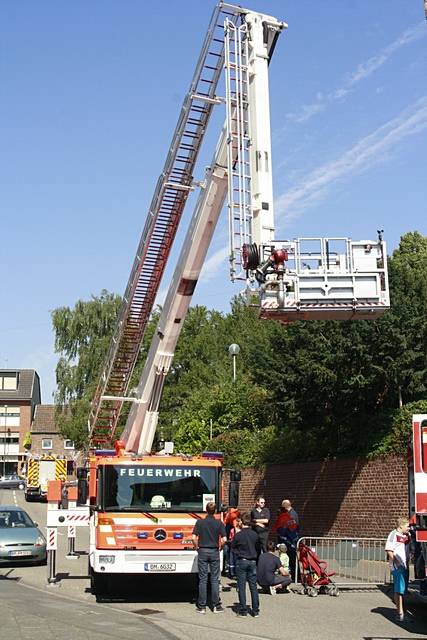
(312, 592)
(99, 583)
(334, 591)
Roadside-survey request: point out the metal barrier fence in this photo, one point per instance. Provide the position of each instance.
(356, 562)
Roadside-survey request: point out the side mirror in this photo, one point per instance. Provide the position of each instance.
(233, 494)
(36, 524)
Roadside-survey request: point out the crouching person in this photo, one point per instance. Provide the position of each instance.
(271, 574)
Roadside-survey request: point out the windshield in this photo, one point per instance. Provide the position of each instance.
(158, 488)
(10, 519)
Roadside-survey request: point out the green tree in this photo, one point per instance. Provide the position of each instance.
(82, 337)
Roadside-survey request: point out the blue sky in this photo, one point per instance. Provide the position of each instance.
(90, 94)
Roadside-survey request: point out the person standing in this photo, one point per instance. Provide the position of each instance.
(287, 530)
(397, 549)
(260, 515)
(271, 574)
(208, 538)
(245, 546)
(230, 521)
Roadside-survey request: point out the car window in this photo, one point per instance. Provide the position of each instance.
(12, 519)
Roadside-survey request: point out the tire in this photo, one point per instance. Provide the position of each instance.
(312, 592)
(99, 583)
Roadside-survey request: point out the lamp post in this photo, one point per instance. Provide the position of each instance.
(4, 439)
(234, 350)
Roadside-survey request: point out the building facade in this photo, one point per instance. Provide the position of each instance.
(46, 439)
(19, 397)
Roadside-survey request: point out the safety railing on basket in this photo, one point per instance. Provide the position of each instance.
(354, 562)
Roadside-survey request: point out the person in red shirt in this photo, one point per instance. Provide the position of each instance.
(287, 531)
(231, 521)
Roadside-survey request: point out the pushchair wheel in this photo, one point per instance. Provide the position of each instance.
(312, 592)
(334, 591)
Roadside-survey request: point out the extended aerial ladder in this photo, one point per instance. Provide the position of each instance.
(306, 278)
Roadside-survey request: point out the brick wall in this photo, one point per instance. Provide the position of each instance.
(353, 497)
(57, 444)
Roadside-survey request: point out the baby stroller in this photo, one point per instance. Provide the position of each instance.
(314, 574)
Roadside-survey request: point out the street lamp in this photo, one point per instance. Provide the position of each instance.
(234, 350)
(4, 440)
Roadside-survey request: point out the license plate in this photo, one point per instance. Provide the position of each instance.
(159, 566)
(19, 553)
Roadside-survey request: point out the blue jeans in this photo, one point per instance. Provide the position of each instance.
(230, 560)
(246, 572)
(208, 558)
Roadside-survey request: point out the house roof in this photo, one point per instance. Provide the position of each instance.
(44, 419)
(28, 379)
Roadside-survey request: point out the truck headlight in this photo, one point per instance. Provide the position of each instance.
(107, 559)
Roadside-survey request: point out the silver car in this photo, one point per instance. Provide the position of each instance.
(12, 482)
(20, 539)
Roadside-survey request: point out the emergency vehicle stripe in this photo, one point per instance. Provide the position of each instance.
(146, 521)
(33, 474)
(60, 469)
(416, 430)
(151, 516)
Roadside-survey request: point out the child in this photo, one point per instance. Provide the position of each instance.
(397, 549)
(283, 556)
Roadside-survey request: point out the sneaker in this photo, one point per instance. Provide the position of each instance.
(242, 614)
(255, 614)
(218, 609)
(273, 591)
(201, 610)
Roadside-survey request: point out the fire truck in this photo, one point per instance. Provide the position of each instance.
(418, 483)
(143, 506)
(41, 469)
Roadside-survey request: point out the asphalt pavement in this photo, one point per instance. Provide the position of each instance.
(165, 605)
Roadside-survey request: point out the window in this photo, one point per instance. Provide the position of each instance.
(68, 444)
(46, 443)
(10, 412)
(9, 416)
(158, 488)
(8, 381)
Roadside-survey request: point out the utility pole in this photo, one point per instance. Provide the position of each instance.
(4, 439)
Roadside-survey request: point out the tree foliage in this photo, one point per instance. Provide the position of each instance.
(82, 337)
(311, 390)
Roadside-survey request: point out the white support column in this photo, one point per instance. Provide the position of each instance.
(259, 117)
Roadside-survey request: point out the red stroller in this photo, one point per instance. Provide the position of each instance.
(314, 574)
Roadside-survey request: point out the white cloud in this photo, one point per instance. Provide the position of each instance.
(367, 68)
(363, 70)
(213, 264)
(368, 151)
(307, 111)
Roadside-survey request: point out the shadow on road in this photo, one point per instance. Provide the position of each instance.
(67, 576)
(416, 622)
(148, 589)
